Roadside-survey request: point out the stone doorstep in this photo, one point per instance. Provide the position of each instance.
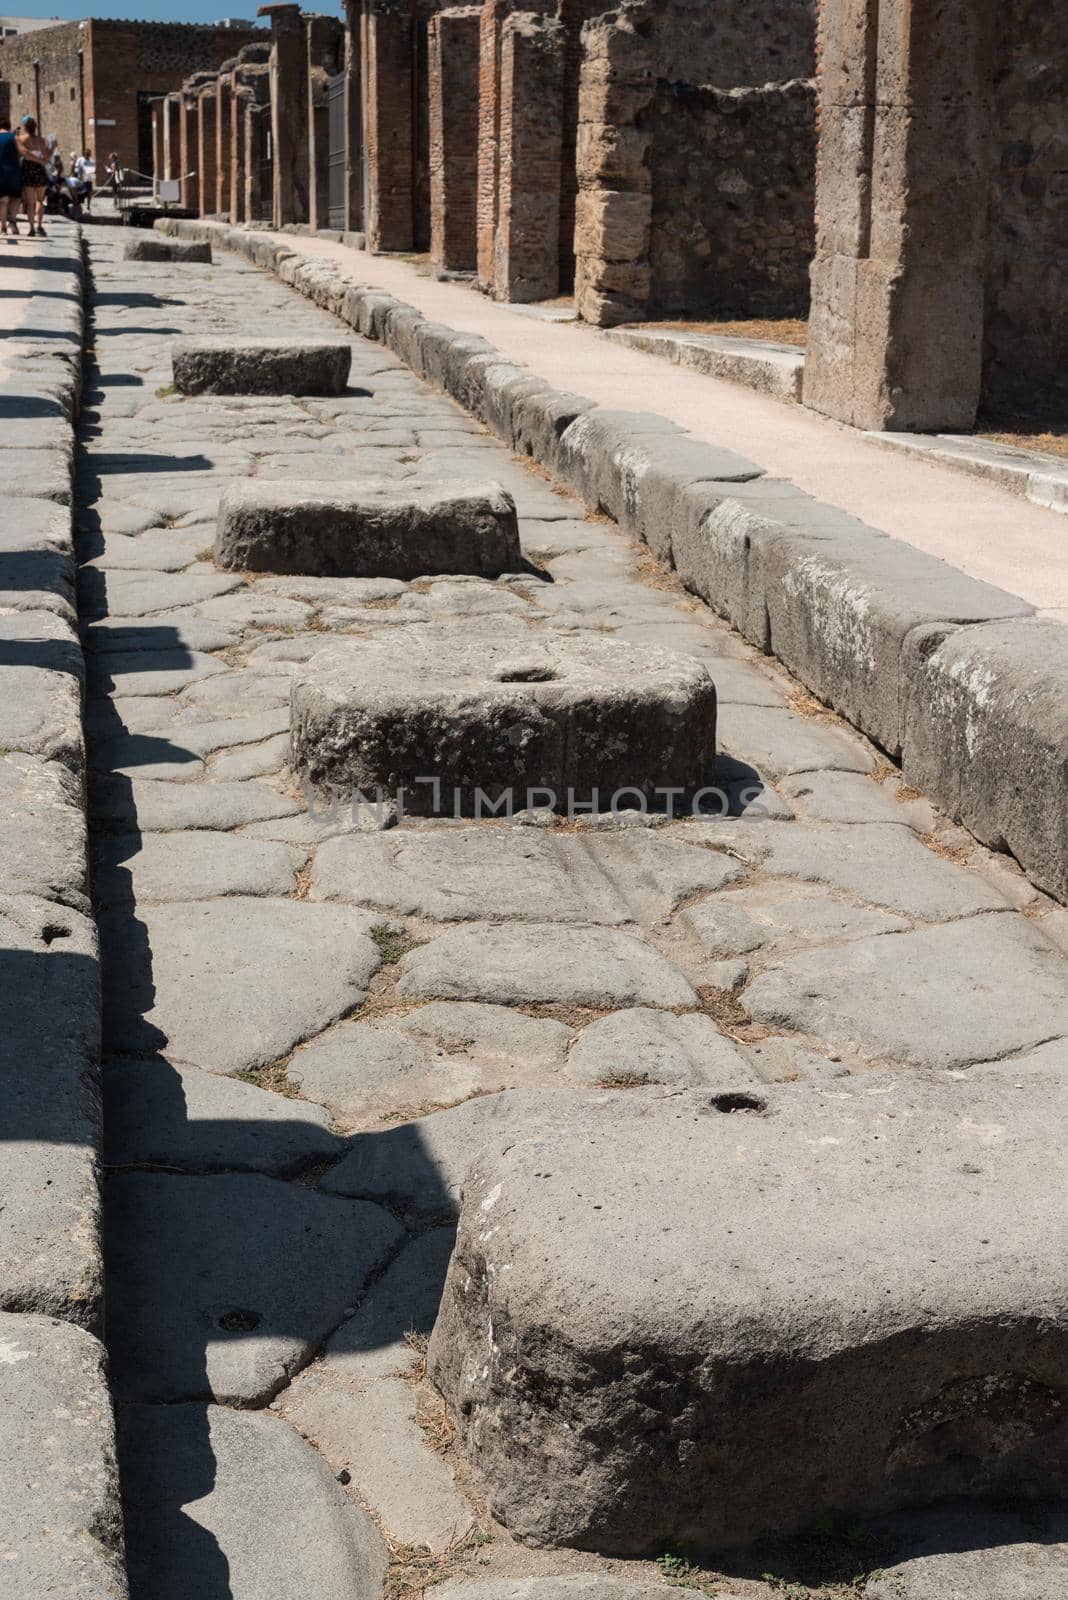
(368, 528)
(1040, 478)
(383, 317)
(775, 369)
(511, 715)
(829, 1299)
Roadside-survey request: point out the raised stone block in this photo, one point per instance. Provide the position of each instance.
(987, 740)
(651, 1340)
(229, 365)
(58, 1480)
(519, 721)
(374, 528)
(153, 248)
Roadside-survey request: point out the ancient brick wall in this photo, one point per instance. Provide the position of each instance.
(1025, 343)
(454, 39)
(735, 45)
(733, 185)
(42, 75)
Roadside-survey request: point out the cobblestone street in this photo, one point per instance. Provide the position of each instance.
(316, 1014)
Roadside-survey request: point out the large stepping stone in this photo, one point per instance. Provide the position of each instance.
(49, 1111)
(159, 1115)
(228, 365)
(59, 1483)
(944, 996)
(745, 1311)
(153, 248)
(468, 873)
(528, 722)
(543, 963)
(228, 1505)
(234, 983)
(369, 529)
(221, 1287)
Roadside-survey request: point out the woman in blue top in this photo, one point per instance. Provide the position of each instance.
(10, 179)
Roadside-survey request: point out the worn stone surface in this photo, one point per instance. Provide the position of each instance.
(220, 1287)
(154, 248)
(229, 984)
(156, 1114)
(502, 715)
(58, 1479)
(792, 914)
(229, 365)
(195, 865)
(687, 1253)
(642, 1046)
(367, 529)
(187, 1509)
(474, 872)
(42, 830)
(960, 1552)
(543, 963)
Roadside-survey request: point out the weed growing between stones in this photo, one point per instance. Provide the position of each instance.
(392, 945)
(274, 1076)
(835, 1560)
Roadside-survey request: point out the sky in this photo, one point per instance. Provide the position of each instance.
(145, 10)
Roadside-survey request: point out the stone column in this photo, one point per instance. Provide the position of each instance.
(614, 207)
(526, 264)
(324, 44)
(172, 165)
(353, 118)
(289, 113)
(239, 98)
(895, 334)
(454, 38)
(388, 125)
(206, 104)
(188, 154)
(223, 97)
(158, 139)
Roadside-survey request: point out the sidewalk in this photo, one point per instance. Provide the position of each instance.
(978, 527)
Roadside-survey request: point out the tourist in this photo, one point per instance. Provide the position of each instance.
(10, 180)
(34, 155)
(85, 173)
(113, 173)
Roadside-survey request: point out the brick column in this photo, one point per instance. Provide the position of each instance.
(388, 125)
(895, 334)
(172, 118)
(526, 263)
(324, 44)
(259, 193)
(239, 99)
(353, 67)
(454, 39)
(206, 149)
(489, 131)
(223, 97)
(188, 154)
(289, 113)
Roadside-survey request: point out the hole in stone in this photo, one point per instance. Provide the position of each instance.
(526, 672)
(53, 930)
(738, 1101)
(238, 1321)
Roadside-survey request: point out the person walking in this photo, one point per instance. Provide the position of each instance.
(34, 155)
(85, 172)
(10, 180)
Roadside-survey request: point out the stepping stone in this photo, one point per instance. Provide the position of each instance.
(191, 1472)
(231, 984)
(228, 365)
(367, 529)
(525, 722)
(641, 1046)
(153, 248)
(841, 1295)
(157, 1114)
(221, 1287)
(936, 997)
(467, 873)
(198, 865)
(49, 1111)
(59, 1484)
(543, 963)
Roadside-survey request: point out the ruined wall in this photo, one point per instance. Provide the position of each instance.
(733, 190)
(1025, 325)
(730, 45)
(42, 76)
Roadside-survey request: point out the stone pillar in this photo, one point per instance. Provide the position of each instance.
(223, 98)
(489, 133)
(188, 154)
(206, 103)
(454, 38)
(172, 136)
(353, 68)
(388, 125)
(239, 98)
(614, 207)
(324, 44)
(526, 256)
(289, 114)
(158, 136)
(895, 333)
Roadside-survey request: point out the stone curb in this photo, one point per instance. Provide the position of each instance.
(857, 616)
(66, 1535)
(768, 368)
